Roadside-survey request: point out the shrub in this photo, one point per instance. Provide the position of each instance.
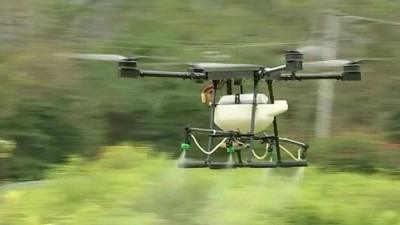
(393, 127)
(351, 151)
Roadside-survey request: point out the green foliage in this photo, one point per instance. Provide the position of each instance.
(354, 152)
(45, 134)
(24, 168)
(41, 131)
(6, 148)
(53, 107)
(393, 127)
(127, 185)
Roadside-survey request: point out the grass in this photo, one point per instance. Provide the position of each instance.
(127, 185)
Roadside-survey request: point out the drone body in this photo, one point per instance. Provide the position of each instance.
(240, 119)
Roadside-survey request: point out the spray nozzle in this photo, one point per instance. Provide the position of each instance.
(185, 146)
(270, 148)
(230, 149)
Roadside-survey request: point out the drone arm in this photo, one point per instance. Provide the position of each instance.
(351, 72)
(310, 76)
(135, 73)
(167, 74)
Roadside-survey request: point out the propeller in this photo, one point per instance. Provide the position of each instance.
(339, 62)
(119, 58)
(327, 63)
(100, 57)
(110, 57)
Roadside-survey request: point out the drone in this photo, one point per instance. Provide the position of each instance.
(239, 119)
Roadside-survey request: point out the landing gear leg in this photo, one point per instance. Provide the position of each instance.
(253, 116)
(275, 123)
(212, 111)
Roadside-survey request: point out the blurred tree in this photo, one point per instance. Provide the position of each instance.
(53, 107)
(6, 150)
(42, 132)
(393, 127)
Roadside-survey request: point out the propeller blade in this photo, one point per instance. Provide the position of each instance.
(165, 64)
(340, 62)
(371, 59)
(100, 57)
(326, 63)
(313, 52)
(111, 57)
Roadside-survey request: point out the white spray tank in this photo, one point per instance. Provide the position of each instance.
(233, 112)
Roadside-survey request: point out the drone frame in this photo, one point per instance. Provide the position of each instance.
(258, 74)
(235, 73)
